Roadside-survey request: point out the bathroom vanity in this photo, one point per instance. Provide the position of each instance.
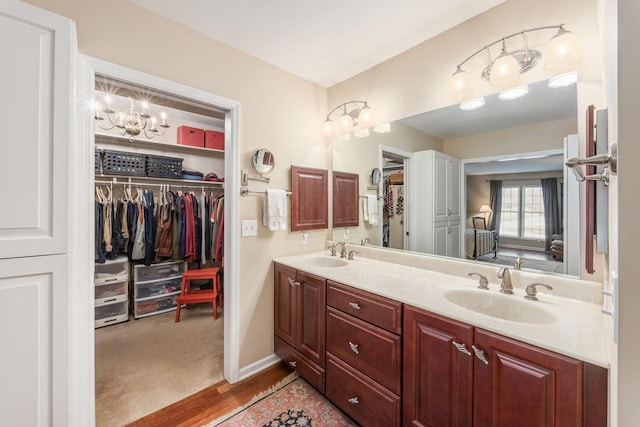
(414, 342)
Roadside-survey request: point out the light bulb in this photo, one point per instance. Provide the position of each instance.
(563, 80)
(366, 116)
(514, 93)
(327, 127)
(346, 122)
(563, 51)
(460, 86)
(472, 104)
(505, 71)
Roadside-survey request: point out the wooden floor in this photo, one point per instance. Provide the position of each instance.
(213, 402)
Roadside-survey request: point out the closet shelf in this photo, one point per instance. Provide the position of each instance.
(142, 180)
(125, 142)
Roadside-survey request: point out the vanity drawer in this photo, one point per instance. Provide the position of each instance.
(380, 311)
(307, 369)
(373, 351)
(364, 400)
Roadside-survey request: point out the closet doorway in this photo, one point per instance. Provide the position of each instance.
(154, 352)
(395, 173)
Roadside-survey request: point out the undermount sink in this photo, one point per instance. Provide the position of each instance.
(506, 307)
(325, 261)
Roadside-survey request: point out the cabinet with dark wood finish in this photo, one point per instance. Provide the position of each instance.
(437, 372)
(364, 355)
(458, 375)
(309, 198)
(299, 308)
(346, 199)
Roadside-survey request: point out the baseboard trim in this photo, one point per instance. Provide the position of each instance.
(257, 366)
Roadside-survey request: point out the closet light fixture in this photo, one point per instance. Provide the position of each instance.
(355, 114)
(504, 73)
(131, 122)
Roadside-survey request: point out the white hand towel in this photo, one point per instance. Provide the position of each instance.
(274, 213)
(372, 208)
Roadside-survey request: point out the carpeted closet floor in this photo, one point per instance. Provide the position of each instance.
(146, 364)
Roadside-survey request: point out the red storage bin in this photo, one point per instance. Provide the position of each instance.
(193, 137)
(214, 139)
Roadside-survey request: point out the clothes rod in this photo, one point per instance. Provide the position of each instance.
(244, 191)
(168, 185)
(378, 197)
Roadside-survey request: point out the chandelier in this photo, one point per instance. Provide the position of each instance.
(359, 115)
(131, 122)
(503, 73)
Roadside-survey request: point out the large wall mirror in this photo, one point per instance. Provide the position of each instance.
(520, 143)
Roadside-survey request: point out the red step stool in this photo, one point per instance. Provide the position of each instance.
(192, 296)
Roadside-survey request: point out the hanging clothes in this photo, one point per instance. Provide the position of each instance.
(99, 228)
(400, 201)
(388, 196)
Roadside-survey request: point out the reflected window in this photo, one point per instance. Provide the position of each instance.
(522, 213)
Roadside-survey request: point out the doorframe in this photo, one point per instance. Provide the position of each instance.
(81, 265)
(408, 157)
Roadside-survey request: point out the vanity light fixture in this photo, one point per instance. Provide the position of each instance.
(131, 122)
(503, 73)
(355, 114)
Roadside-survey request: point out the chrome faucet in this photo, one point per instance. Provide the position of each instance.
(505, 286)
(518, 263)
(364, 241)
(350, 256)
(343, 249)
(333, 248)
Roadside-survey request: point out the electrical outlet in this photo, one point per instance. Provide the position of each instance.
(304, 238)
(345, 234)
(249, 227)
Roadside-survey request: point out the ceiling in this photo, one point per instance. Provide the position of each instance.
(327, 41)
(541, 104)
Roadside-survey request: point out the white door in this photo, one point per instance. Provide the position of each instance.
(35, 47)
(453, 189)
(454, 239)
(440, 238)
(35, 112)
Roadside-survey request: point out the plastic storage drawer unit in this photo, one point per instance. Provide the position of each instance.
(111, 292)
(111, 313)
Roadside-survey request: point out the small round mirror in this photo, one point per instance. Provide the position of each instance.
(374, 176)
(262, 160)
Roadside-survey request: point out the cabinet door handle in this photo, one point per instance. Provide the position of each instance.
(293, 282)
(355, 305)
(354, 347)
(461, 348)
(354, 400)
(480, 354)
(293, 364)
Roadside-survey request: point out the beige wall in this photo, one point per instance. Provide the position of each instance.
(521, 139)
(360, 155)
(278, 110)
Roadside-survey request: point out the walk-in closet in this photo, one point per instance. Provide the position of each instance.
(159, 246)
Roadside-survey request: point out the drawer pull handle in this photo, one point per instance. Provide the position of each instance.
(111, 300)
(480, 354)
(354, 347)
(293, 364)
(113, 279)
(354, 400)
(355, 305)
(293, 282)
(461, 348)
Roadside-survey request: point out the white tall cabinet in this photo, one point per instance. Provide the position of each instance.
(435, 208)
(38, 55)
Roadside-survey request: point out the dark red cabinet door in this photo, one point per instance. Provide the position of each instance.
(437, 376)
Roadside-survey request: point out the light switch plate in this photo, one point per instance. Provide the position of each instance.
(345, 234)
(249, 227)
(304, 238)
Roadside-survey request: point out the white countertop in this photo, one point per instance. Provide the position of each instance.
(579, 331)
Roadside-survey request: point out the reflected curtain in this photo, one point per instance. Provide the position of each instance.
(495, 199)
(552, 212)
